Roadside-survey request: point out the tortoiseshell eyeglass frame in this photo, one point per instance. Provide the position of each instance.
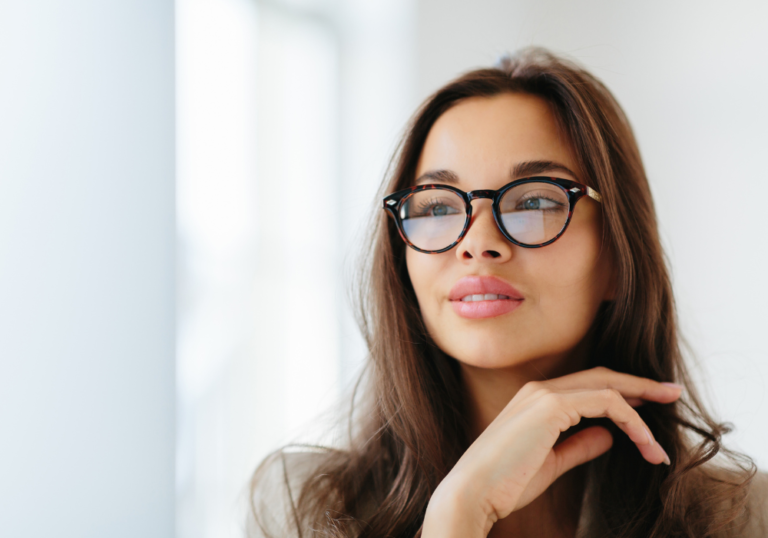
(575, 191)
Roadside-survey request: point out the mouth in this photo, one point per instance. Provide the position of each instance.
(476, 296)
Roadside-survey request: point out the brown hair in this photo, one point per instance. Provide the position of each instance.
(410, 426)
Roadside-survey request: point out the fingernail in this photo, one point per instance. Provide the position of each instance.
(666, 457)
(650, 439)
(673, 385)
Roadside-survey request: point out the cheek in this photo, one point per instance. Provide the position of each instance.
(421, 270)
(570, 265)
(570, 292)
(424, 271)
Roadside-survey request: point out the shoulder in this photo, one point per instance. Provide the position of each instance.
(275, 489)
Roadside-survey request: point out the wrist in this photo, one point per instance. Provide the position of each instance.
(454, 514)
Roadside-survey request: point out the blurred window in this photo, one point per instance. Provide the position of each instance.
(265, 94)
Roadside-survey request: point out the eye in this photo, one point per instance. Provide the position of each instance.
(439, 210)
(433, 204)
(540, 203)
(436, 208)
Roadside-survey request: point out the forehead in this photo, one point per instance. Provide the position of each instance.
(481, 139)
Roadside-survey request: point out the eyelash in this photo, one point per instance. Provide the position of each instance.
(429, 203)
(539, 195)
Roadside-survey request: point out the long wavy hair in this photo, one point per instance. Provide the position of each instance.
(407, 424)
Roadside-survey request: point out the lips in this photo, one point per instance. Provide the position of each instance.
(484, 285)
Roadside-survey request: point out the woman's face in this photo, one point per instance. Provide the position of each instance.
(557, 288)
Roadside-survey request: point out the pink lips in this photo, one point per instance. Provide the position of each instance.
(482, 285)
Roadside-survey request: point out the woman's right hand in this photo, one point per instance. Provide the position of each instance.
(515, 459)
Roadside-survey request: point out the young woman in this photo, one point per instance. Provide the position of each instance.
(525, 376)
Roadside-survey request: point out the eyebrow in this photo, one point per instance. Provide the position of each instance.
(520, 170)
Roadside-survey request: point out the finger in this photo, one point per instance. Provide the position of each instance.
(604, 378)
(580, 448)
(609, 403)
(634, 402)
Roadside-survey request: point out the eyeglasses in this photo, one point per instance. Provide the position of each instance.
(531, 212)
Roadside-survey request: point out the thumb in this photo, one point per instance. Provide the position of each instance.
(581, 447)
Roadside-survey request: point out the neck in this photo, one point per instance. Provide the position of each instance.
(488, 391)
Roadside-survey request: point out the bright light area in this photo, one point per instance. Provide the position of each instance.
(274, 182)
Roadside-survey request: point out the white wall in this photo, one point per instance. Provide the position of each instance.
(692, 77)
(86, 269)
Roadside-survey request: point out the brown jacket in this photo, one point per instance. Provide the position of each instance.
(273, 500)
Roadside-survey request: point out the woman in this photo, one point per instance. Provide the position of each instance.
(522, 339)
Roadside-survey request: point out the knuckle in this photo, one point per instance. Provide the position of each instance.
(552, 399)
(533, 386)
(612, 395)
(535, 389)
(601, 369)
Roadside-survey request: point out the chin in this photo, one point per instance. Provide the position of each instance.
(487, 356)
(499, 355)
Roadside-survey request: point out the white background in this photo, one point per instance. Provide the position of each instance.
(86, 269)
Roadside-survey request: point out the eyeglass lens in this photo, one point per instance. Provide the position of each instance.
(531, 213)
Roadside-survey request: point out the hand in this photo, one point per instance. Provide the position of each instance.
(515, 459)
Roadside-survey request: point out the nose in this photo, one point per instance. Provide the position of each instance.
(483, 240)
